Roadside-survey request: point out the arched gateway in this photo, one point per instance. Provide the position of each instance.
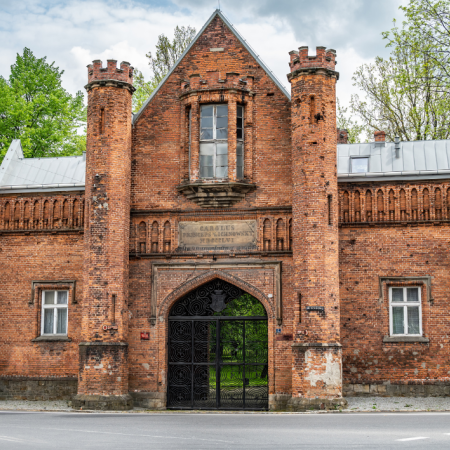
(218, 345)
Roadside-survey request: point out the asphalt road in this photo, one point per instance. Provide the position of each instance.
(27, 430)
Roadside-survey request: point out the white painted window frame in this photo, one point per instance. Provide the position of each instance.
(405, 305)
(352, 157)
(55, 315)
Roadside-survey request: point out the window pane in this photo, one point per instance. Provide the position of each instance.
(239, 111)
(207, 172)
(238, 151)
(398, 320)
(48, 320)
(360, 165)
(207, 149)
(239, 122)
(206, 134)
(61, 324)
(222, 122)
(239, 172)
(207, 111)
(222, 133)
(62, 297)
(221, 160)
(222, 110)
(49, 298)
(221, 172)
(239, 133)
(222, 149)
(412, 294)
(397, 294)
(207, 122)
(413, 320)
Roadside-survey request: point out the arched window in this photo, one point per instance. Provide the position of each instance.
(357, 207)
(142, 237)
(368, 206)
(16, 215)
(167, 237)
(26, 215)
(290, 234)
(380, 206)
(267, 234)
(46, 218)
(6, 216)
(280, 234)
(155, 236)
(346, 207)
(391, 205)
(426, 204)
(65, 214)
(402, 205)
(76, 214)
(414, 205)
(56, 214)
(36, 214)
(438, 204)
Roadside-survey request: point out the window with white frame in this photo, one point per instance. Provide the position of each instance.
(214, 141)
(54, 312)
(359, 165)
(405, 311)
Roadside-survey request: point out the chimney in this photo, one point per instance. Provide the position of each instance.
(342, 136)
(380, 136)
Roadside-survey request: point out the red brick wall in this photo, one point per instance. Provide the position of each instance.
(158, 139)
(38, 255)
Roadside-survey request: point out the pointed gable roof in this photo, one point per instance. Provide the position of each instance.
(216, 13)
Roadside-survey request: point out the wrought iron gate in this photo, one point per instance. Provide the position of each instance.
(218, 346)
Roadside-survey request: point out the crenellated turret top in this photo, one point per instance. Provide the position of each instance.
(96, 72)
(325, 58)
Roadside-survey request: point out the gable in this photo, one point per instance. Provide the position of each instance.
(215, 43)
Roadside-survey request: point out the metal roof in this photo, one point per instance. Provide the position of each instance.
(417, 160)
(219, 13)
(19, 174)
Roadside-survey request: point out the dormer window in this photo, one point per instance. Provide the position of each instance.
(359, 165)
(214, 141)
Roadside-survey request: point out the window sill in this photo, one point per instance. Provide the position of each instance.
(52, 339)
(405, 339)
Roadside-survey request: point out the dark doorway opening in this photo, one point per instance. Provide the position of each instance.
(218, 348)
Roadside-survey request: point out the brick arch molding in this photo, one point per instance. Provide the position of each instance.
(196, 282)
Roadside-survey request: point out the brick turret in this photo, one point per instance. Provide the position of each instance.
(103, 372)
(317, 359)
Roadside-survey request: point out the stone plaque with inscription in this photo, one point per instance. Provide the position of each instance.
(217, 236)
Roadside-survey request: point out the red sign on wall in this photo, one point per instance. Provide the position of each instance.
(145, 335)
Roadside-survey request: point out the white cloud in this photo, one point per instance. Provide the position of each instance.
(73, 33)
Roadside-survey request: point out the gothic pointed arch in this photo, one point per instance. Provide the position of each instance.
(210, 275)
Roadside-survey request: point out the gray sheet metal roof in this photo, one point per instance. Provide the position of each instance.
(219, 13)
(19, 174)
(418, 160)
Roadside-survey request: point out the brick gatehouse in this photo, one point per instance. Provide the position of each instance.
(224, 247)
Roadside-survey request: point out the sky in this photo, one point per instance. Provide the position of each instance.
(74, 32)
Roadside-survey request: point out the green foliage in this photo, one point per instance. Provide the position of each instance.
(346, 122)
(35, 108)
(406, 95)
(167, 54)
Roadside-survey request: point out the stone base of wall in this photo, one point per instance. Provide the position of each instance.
(285, 402)
(149, 400)
(37, 388)
(425, 389)
(103, 402)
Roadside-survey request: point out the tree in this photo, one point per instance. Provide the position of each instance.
(403, 94)
(167, 54)
(35, 108)
(426, 32)
(346, 122)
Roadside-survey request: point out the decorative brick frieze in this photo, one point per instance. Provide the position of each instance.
(44, 213)
(384, 204)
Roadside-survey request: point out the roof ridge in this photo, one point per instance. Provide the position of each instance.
(240, 38)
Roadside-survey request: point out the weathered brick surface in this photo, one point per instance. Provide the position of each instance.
(129, 249)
